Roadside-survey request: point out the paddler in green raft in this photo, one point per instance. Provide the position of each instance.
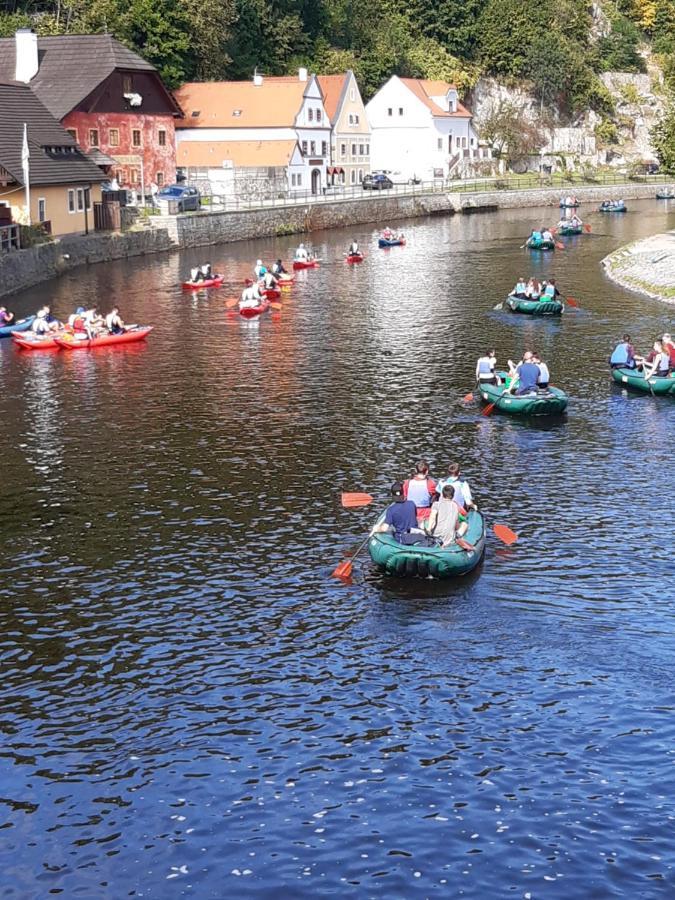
(524, 390)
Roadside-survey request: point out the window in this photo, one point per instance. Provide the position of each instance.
(71, 201)
(126, 84)
(367, 149)
(400, 110)
(133, 176)
(360, 149)
(136, 137)
(42, 209)
(80, 199)
(293, 180)
(473, 142)
(343, 149)
(457, 141)
(353, 149)
(304, 148)
(356, 119)
(161, 137)
(318, 115)
(312, 148)
(351, 119)
(299, 180)
(360, 175)
(310, 115)
(114, 137)
(160, 179)
(72, 132)
(324, 148)
(352, 176)
(93, 137)
(390, 111)
(352, 94)
(439, 144)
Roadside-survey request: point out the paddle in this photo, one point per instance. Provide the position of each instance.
(487, 410)
(353, 500)
(572, 302)
(587, 228)
(344, 569)
(231, 303)
(467, 398)
(499, 305)
(504, 533)
(559, 246)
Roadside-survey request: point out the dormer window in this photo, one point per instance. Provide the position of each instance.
(196, 113)
(310, 115)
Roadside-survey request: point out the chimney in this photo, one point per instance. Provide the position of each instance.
(26, 55)
(302, 74)
(257, 79)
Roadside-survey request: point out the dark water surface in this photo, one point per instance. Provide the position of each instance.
(193, 707)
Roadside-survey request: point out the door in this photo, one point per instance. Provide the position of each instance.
(316, 181)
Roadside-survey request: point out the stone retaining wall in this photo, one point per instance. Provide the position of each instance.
(551, 196)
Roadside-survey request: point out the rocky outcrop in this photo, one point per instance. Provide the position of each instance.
(647, 266)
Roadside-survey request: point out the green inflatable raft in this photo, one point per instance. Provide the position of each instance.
(565, 230)
(542, 307)
(632, 379)
(539, 245)
(552, 402)
(450, 562)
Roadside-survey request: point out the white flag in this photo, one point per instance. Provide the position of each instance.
(25, 153)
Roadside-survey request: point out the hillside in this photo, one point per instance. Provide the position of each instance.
(557, 56)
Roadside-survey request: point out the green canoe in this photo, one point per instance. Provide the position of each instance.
(570, 229)
(636, 380)
(552, 402)
(540, 245)
(665, 195)
(450, 562)
(543, 307)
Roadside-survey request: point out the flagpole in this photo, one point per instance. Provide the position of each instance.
(25, 164)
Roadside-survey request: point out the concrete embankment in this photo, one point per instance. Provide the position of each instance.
(647, 266)
(25, 268)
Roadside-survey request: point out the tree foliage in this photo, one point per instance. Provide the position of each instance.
(512, 135)
(663, 138)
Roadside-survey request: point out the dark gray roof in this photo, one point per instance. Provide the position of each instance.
(18, 104)
(71, 66)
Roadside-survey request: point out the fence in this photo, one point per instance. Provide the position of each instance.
(9, 238)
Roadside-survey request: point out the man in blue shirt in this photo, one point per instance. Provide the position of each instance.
(526, 375)
(401, 516)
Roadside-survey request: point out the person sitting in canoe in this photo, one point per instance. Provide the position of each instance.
(354, 249)
(6, 317)
(278, 269)
(544, 376)
(387, 234)
(420, 489)
(547, 236)
(461, 488)
(196, 275)
(525, 375)
(533, 289)
(94, 322)
(623, 355)
(444, 520)
(486, 369)
(669, 345)
(76, 320)
(206, 272)
(550, 290)
(113, 322)
(270, 282)
(44, 321)
(401, 518)
(251, 296)
(660, 365)
(520, 290)
(301, 254)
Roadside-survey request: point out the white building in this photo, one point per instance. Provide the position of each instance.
(266, 123)
(419, 129)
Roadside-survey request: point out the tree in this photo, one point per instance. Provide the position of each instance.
(512, 135)
(663, 138)
(507, 28)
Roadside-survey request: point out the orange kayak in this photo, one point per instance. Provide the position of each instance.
(68, 342)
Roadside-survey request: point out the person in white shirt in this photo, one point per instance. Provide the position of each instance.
(546, 235)
(462, 490)
(301, 253)
(485, 369)
(543, 379)
(250, 296)
(520, 290)
(259, 269)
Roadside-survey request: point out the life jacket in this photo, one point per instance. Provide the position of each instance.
(485, 366)
(664, 361)
(550, 290)
(460, 497)
(79, 324)
(419, 491)
(620, 355)
(536, 236)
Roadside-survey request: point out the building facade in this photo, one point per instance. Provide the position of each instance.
(263, 123)
(63, 183)
(350, 131)
(420, 130)
(111, 101)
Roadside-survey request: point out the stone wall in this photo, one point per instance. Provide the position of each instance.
(24, 268)
(551, 197)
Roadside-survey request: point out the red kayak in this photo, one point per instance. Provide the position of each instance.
(306, 264)
(250, 312)
(69, 342)
(210, 282)
(272, 293)
(30, 341)
(355, 258)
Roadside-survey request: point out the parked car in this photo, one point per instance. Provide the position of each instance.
(178, 198)
(377, 183)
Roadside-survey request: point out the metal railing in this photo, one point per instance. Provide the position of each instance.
(9, 238)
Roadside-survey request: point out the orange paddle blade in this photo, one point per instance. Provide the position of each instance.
(344, 570)
(355, 499)
(504, 533)
(559, 246)
(572, 301)
(488, 409)
(232, 302)
(587, 228)
(467, 398)
(276, 306)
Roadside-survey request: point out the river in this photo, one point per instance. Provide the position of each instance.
(192, 706)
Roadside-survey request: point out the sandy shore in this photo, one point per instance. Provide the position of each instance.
(647, 266)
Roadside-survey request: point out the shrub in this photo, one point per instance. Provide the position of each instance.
(606, 132)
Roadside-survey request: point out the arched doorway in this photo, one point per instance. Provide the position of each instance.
(316, 181)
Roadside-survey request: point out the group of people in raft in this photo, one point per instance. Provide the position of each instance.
(83, 323)
(265, 280)
(427, 512)
(659, 362)
(533, 290)
(529, 376)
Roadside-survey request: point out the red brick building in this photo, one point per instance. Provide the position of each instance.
(109, 99)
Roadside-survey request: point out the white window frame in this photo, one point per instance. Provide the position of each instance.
(439, 143)
(310, 114)
(80, 199)
(42, 202)
(299, 179)
(72, 208)
(116, 132)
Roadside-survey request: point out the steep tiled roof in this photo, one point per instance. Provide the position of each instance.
(241, 104)
(18, 104)
(425, 89)
(240, 153)
(333, 88)
(71, 66)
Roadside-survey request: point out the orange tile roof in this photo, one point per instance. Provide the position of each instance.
(213, 104)
(424, 90)
(241, 153)
(332, 87)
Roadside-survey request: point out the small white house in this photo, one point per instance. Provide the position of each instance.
(266, 123)
(420, 130)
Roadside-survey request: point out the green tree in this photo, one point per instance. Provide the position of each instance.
(618, 51)
(663, 138)
(507, 28)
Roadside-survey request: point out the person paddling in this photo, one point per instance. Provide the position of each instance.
(420, 489)
(520, 290)
(485, 369)
(354, 249)
(463, 496)
(400, 517)
(6, 317)
(301, 254)
(525, 375)
(278, 269)
(661, 363)
(113, 322)
(250, 296)
(269, 281)
(623, 355)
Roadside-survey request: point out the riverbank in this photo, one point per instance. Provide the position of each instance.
(647, 266)
(25, 268)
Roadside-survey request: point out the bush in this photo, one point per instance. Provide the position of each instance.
(618, 52)
(32, 235)
(606, 132)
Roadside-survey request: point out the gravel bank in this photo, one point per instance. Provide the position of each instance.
(647, 266)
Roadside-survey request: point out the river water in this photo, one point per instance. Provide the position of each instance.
(192, 706)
